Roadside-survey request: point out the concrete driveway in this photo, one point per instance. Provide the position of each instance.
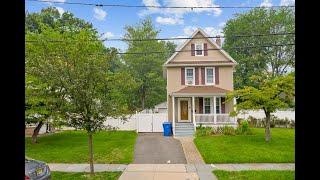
(154, 148)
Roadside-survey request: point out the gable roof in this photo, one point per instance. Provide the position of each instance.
(179, 48)
(203, 90)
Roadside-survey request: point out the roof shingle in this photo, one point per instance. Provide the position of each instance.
(201, 89)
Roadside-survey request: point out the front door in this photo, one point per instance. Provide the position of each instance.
(184, 110)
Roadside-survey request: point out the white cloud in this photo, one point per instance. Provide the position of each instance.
(287, 2)
(169, 20)
(50, 2)
(178, 41)
(99, 14)
(266, 3)
(179, 12)
(189, 30)
(211, 31)
(62, 1)
(60, 9)
(107, 35)
(222, 24)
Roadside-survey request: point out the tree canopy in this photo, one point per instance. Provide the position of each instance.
(276, 60)
(270, 95)
(78, 77)
(50, 17)
(147, 68)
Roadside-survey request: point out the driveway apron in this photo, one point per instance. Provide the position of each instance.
(154, 148)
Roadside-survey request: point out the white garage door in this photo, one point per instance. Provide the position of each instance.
(151, 122)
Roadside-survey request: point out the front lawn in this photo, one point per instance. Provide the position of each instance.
(248, 148)
(110, 147)
(85, 176)
(254, 175)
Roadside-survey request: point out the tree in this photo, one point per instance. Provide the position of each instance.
(40, 101)
(272, 94)
(276, 60)
(50, 17)
(147, 68)
(79, 70)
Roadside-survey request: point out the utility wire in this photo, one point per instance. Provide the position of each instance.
(210, 49)
(214, 49)
(160, 7)
(176, 38)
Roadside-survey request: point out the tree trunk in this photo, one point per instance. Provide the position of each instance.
(36, 132)
(267, 130)
(143, 97)
(91, 154)
(142, 102)
(47, 128)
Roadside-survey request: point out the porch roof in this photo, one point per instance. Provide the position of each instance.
(201, 90)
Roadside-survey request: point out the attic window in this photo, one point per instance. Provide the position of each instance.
(199, 49)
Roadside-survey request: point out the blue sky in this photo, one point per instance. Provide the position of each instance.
(110, 21)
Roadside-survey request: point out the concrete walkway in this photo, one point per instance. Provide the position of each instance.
(170, 171)
(167, 171)
(86, 167)
(190, 150)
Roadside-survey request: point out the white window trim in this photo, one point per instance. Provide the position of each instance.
(203, 105)
(205, 75)
(195, 49)
(220, 110)
(185, 76)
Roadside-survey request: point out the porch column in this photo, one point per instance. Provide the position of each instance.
(193, 114)
(174, 116)
(214, 110)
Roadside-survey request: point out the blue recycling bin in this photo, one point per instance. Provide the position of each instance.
(167, 129)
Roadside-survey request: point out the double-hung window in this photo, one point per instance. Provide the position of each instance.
(209, 75)
(218, 105)
(190, 78)
(207, 105)
(199, 49)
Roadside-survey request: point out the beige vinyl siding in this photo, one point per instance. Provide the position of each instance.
(213, 55)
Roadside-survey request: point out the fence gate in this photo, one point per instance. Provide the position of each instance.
(150, 122)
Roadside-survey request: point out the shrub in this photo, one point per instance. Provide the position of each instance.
(244, 128)
(203, 131)
(228, 130)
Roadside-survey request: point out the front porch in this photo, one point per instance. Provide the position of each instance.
(206, 109)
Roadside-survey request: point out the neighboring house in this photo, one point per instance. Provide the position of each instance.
(159, 108)
(198, 79)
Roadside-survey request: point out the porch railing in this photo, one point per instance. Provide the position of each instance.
(214, 119)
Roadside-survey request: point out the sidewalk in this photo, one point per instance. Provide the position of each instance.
(86, 167)
(167, 171)
(254, 166)
(170, 171)
(189, 167)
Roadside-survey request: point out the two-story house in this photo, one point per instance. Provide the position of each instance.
(199, 75)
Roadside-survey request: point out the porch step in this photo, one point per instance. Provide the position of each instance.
(184, 129)
(184, 125)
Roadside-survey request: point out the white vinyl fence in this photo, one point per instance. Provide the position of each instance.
(141, 122)
(260, 114)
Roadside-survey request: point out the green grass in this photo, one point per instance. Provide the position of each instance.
(86, 176)
(248, 148)
(254, 175)
(110, 147)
